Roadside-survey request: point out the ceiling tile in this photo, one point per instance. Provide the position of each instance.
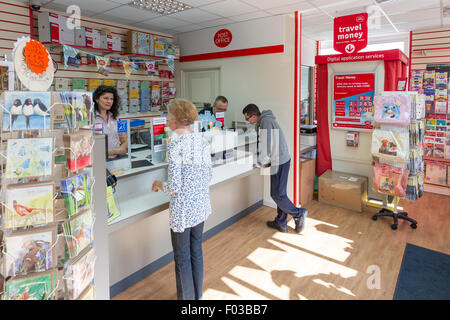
(250, 16)
(121, 20)
(89, 5)
(300, 6)
(198, 3)
(131, 13)
(216, 22)
(121, 1)
(228, 8)
(194, 15)
(267, 4)
(167, 22)
(189, 28)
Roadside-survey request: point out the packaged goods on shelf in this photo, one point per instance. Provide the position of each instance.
(436, 172)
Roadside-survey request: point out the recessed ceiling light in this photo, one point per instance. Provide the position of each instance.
(163, 7)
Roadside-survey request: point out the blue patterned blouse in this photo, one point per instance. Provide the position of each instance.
(189, 174)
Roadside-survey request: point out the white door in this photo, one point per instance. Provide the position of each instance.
(200, 86)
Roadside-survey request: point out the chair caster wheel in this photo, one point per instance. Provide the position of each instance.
(394, 227)
(414, 225)
(374, 218)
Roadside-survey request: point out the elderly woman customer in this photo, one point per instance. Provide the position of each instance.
(189, 175)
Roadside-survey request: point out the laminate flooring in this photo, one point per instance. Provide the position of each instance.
(340, 255)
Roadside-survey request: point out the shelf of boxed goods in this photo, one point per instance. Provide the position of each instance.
(82, 47)
(106, 50)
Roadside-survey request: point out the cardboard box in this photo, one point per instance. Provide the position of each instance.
(138, 42)
(49, 27)
(307, 174)
(89, 37)
(80, 37)
(116, 44)
(96, 39)
(343, 190)
(67, 35)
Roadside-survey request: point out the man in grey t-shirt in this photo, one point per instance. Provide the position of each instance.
(273, 152)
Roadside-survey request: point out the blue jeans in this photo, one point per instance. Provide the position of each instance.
(187, 251)
(278, 183)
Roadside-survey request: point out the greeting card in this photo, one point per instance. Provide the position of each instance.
(78, 232)
(77, 192)
(26, 110)
(30, 250)
(28, 205)
(88, 293)
(80, 273)
(78, 108)
(29, 158)
(39, 286)
(79, 84)
(78, 149)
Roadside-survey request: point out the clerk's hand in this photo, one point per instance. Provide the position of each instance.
(157, 185)
(255, 165)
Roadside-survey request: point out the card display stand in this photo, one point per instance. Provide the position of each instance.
(397, 151)
(46, 226)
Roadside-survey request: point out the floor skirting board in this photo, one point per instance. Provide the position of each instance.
(127, 282)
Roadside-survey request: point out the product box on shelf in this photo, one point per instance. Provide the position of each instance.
(62, 84)
(138, 42)
(343, 190)
(80, 37)
(67, 34)
(116, 44)
(89, 37)
(104, 41)
(96, 41)
(49, 27)
(436, 172)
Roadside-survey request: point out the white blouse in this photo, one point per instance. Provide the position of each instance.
(189, 174)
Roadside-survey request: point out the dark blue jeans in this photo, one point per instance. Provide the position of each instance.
(278, 183)
(187, 251)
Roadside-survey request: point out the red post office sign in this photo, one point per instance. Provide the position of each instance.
(223, 38)
(350, 33)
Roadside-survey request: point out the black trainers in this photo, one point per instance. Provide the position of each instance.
(300, 222)
(275, 225)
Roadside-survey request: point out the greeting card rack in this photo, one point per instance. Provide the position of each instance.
(46, 226)
(397, 150)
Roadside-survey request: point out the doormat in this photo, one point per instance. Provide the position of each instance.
(424, 275)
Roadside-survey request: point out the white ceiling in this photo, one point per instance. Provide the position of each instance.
(317, 23)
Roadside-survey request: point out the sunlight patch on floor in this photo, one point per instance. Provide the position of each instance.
(332, 285)
(316, 239)
(242, 292)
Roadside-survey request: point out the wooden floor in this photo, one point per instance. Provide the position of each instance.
(338, 256)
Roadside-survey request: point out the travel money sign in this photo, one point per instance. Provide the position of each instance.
(350, 33)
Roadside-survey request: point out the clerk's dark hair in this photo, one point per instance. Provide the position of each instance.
(251, 110)
(101, 90)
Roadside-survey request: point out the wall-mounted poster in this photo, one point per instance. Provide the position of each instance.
(353, 101)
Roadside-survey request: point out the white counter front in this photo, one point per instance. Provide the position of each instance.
(138, 241)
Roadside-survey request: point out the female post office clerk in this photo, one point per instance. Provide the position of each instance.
(106, 104)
